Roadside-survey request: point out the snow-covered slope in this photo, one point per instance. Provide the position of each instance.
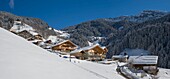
(62, 33)
(18, 26)
(101, 70)
(54, 39)
(20, 59)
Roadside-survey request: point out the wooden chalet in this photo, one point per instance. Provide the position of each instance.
(93, 53)
(65, 46)
(146, 63)
(35, 37)
(38, 37)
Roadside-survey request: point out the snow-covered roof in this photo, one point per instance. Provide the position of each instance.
(143, 59)
(89, 47)
(33, 33)
(35, 41)
(103, 47)
(119, 56)
(66, 41)
(76, 51)
(17, 22)
(84, 48)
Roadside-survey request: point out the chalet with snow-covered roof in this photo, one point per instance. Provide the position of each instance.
(146, 63)
(94, 52)
(65, 46)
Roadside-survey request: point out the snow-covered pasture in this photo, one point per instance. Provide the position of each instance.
(20, 59)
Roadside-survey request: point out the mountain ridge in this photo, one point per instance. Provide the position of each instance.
(106, 27)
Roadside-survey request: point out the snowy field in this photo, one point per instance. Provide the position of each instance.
(163, 73)
(101, 70)
(20, 59)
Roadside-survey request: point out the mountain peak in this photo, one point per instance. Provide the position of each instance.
(152, 13)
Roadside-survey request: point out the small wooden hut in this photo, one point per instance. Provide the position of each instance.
(65, 46)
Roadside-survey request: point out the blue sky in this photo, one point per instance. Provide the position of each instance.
(63, 13)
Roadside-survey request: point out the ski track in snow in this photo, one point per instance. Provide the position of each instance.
(99, 75)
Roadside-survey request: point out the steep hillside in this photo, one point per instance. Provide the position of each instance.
(27, 61)
(7, 21)
(24, 60)
(152, 35)
(82, 32)
(108, 27)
